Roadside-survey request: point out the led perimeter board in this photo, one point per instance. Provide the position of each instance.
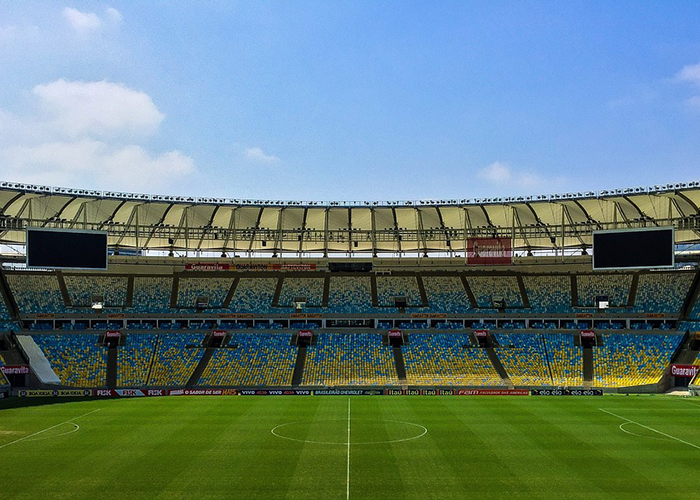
(66, 249)
(633, 248)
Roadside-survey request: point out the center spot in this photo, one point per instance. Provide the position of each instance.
(362, 431)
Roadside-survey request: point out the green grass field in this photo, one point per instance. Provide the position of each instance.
(399, 447)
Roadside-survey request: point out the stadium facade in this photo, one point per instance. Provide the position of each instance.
(205, 294)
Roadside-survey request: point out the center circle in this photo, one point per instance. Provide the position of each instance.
(334, 431)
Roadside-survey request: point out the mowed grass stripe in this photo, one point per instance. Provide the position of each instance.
(221, 447)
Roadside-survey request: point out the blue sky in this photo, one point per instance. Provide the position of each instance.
(349, 100)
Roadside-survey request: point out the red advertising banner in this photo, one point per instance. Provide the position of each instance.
(218, 333)
(207, 267)
(489, 251)
(394, 333)
(687, 371)
(587, 334)
(481, 333)
(305, 334)
(15, 369)
(493, 392)
(203, 392)
(112, 334)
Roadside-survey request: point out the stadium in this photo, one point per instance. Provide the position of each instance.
(181, 346)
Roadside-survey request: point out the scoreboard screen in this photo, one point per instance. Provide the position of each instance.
(66, 249)
(633, 248)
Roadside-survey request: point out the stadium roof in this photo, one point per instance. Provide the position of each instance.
(157, 222)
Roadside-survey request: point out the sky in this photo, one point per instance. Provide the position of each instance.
(349, 100)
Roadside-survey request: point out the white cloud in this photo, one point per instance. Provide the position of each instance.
(689, 74)
(511, 180)
(98, 108)
(114, 15)
(258, 155)
(82, 22)
(88, 23)
(95, 164)
(83, 135)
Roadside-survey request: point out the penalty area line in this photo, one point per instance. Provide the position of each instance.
(70, 421)
(650, 428)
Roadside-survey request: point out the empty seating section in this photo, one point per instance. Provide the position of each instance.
(446, 294)
(254, 295)
(152, 294)
(176, 357)
(350, 294)
(4, 311)
(311, 288)
(523, 357)
(627, 360)
(349, 359)
(548, 293)
(615, 286)
(36, 293)
(488, 288)
(77, 359)
(260, 359)
(565, 359)
(695, 310)
(662, 292)
(389, 287)
(81, 290)
(134, 359)
(443, 359)
(191, 289)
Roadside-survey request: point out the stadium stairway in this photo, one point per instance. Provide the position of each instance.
(400, 365)
(298, 372)
(499, 366)
(587, 367)
(112, 367)
(201, 366)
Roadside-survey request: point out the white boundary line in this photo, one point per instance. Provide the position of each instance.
(49, 428)
(274, 432)
(75, 428)
(650, 428)
(348, 476)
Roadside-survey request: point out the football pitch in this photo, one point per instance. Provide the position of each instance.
(334, 447)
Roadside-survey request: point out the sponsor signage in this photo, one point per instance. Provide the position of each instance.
(685, 371)
(218, 333)
(587, 334)
(493, 392)
(395, 333)
(15, 369)
(489, 251)
(655, 315)
(201, 266)
(305, 334)
(583, 315)
(306, 315)
(348, 392)
(481, 333)
(274, 392)
(566, 392)
(47, 393)
(112, 334)
(428, 315)
(116, 316)
(202, 392)
(236, 315)
(207, 267)
(44, 315)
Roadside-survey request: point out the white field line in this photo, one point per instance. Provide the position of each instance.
(49, 428)
(347, 489)
(650, 428)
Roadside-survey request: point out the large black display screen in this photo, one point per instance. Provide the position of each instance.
(66, 249)
(633, 248)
